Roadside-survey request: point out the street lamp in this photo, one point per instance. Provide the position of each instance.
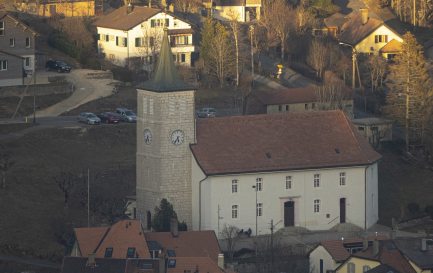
(353, 62)
(255, 187)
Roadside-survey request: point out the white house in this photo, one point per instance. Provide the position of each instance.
(308, 169)
(132, 35)
(241, 10)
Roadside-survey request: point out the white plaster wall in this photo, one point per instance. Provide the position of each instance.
(121, 53)
(372, 189)
(365, 45)
(321, 253)
(227, 12)
(11, 82)
(216, 191)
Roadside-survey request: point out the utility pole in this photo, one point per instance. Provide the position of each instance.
(34, 93)
(252, 56)
(272, 245)
(88, 197)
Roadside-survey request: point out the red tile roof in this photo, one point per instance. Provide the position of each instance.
(88, 238)
(120, 19)
(287, 141)
(121, 236)
(195, 264)
(353, 31)
(188, 243)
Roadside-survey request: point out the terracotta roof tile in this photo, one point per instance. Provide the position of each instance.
(392, 47)
(353, 31)
(335, 20)
(194, 264)
(188, 243)
(287, 141)
(120, 19)
(89, 238)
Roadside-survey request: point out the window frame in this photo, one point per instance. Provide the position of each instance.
(28, 42)
(108, 252)
(289, 182)
(316, 180)
(259, 184)
(3, 65)
(130, 252)
(235, 183)
(2, 28)
(350, 267)
(11, 42)
(235, 211)
(365, 268)
(259, 209)
(27, 61)
(343, 178)
(316, 204)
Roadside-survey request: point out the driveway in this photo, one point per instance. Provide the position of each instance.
(88, 85)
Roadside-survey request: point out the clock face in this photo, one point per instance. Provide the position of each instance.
(147, 136)
(177, 137)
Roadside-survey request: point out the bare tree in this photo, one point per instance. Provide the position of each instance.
(318, 56)
(234, 25)
(331, 95)
(278, 20)
(5, 165)
(66, 182)
(377, 68)
(187, 5)
(231, 235)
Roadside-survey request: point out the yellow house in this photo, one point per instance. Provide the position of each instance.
(67, 8)
(357, 265)
(368, 34)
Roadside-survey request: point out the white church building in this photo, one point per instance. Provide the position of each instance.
(307, 169)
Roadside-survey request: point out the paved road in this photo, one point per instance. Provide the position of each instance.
(86, 89)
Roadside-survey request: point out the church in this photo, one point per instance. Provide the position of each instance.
(308, 169)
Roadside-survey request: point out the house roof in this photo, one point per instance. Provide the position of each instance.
(383, 268)
(89, 238)
(229, 2)
(166, 78)
(25, 26)
(11, 54)
(180, 31)
(79, 265)
(120, 19)
(120, 236)
(278, 142)
(371, 121)
(411, 248)
(335, 20)
(392, 46)
(293, 95)
(194, 264)
(188, 243)
(353, 31)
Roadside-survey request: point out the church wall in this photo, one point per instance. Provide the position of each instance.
(217, 191)
(197, 176)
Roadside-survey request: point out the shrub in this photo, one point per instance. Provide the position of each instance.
(413, 208)
(59, 41)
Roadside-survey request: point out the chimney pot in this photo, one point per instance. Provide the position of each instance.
(375, 247)
(129, 8)
(91, 261)
(221, 261)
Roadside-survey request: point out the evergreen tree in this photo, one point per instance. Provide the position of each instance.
(407, 99)
(163, 215)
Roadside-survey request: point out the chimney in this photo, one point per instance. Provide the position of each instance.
(150, 3)
(174, 227)
(364, 16)
(221, 261)
(129, 8)
(375, 247)
(423, 244)
(91, 261)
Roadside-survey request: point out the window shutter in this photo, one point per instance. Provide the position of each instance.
(99, 37)
(117, 40)
(152, 23)
(167, 21)
(137, 42)
(125, 42)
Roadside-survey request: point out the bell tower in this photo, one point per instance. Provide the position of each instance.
(165, 129)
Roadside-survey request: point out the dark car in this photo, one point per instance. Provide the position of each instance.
(109, 117)
(59, 66)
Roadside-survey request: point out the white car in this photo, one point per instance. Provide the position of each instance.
(126, 115)
(206, 112)
(89, 118)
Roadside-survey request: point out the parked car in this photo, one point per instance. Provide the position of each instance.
(126, 115)
(88, 118)
(109, 117)
(59, 66)
(206, 112)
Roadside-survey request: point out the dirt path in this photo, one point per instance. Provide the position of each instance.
(88, 87)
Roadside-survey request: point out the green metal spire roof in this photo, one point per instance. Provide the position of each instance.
(166, 78)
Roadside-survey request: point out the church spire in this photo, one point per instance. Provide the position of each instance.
(166, 78)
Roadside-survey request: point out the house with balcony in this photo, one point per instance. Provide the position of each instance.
(17, 54)
(242, 10)
(131, 36)
(48, 8)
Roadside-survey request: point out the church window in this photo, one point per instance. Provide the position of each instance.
(235, 211)
(316, 180)
(259, 209)
(342, 179)
(317, 205)
(144, 105)
(259, 184)
(288, 182)
(234, 186)
(151, 106)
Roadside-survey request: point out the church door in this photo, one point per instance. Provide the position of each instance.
(289, 213)
(342, 210)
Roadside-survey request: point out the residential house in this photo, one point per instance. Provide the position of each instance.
(125, 244)
(241, 10)
(133, 34)
(373, 254)
(301, 99)
(334, 23)
(309, 169)
(48, 8)
(368, 34)
(374, 129)
(418, 251)
(17, 40)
